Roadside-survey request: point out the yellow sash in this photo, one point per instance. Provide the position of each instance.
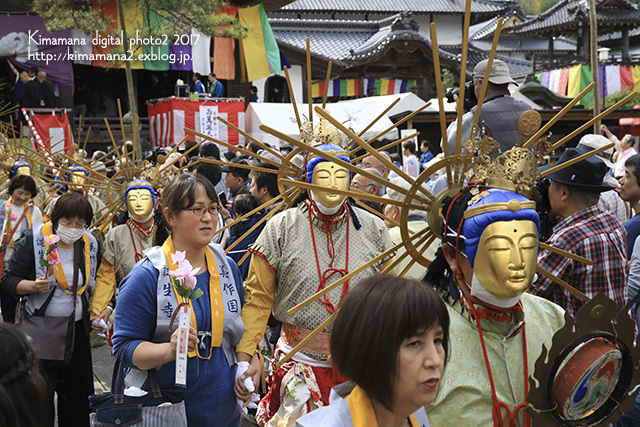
(215, 297)
(59, 272)
(27, 214)
(362, 413)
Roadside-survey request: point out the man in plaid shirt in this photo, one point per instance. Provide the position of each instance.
(584, 230)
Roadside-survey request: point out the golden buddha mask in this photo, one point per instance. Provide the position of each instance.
(139, 203)
(507, 256)
(330, 176)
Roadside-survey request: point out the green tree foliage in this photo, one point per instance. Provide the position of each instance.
(176, 17)
(447, 79)
(536, 7)
(615, 97)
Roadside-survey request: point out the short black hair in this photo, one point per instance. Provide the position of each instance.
(209, 149)
(181, 192)
(240, 173)
(426, 143)
(584, 197)
(374, 319)
(211, 171)
(71, 205)
(253, 147)
(266, 179)
(635, 162)
(24, 181)
(34, 70)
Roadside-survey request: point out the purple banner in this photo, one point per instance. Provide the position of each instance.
(180, 51)
(545, 78)
(25, 40)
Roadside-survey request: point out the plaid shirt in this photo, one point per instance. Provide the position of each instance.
(593, 234)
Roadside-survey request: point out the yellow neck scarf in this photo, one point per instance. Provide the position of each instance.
(59, 272)
(215, 297)
(27, 214)
(362, 413)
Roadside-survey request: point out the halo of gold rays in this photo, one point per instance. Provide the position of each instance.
(103, 187)
(418, 196)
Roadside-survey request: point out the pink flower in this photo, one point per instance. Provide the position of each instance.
(178, 257)
(13, 217)
(190, 282)
(184, 269)
(51, 239)
(7, 207)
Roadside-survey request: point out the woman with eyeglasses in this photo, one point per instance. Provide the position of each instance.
(63, 292)
(147, 301)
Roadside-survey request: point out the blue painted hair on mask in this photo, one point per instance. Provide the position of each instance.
(76, 168)
(474, 227)
(140, 184)
(21, 163)
(311, 164)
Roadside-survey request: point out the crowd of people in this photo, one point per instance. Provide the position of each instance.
(444, 345)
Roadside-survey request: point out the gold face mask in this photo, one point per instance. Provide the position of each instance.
(139, 203)
(330, 176)
(23, 170)
(507, 257)
(77, 181)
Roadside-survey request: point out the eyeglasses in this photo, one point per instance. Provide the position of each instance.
(358, 186)
(70, 224)
(200, 210)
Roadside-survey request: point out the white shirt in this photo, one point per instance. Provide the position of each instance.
(412, 166)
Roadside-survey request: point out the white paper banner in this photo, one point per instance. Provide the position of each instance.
(209, 121)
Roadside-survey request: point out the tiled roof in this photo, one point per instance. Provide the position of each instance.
(618, 35)
(333, 40)
(564, 17)
(511, 43)
(475, 55)
(483, 29)
(398, 27)
(345, 41)
(395, 6)
(352, 41)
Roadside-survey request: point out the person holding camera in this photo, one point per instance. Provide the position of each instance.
(583, 230)
(500, 112)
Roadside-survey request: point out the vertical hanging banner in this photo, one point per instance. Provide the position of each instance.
(110, 40)
(201, 52)
(209, 123)
(224, 62)
(155, 52)
(133, 22)
(53, 130)
(253, 46)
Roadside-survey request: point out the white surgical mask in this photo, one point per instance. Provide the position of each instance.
(69, 235)
(480, 292)
(323, 209)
